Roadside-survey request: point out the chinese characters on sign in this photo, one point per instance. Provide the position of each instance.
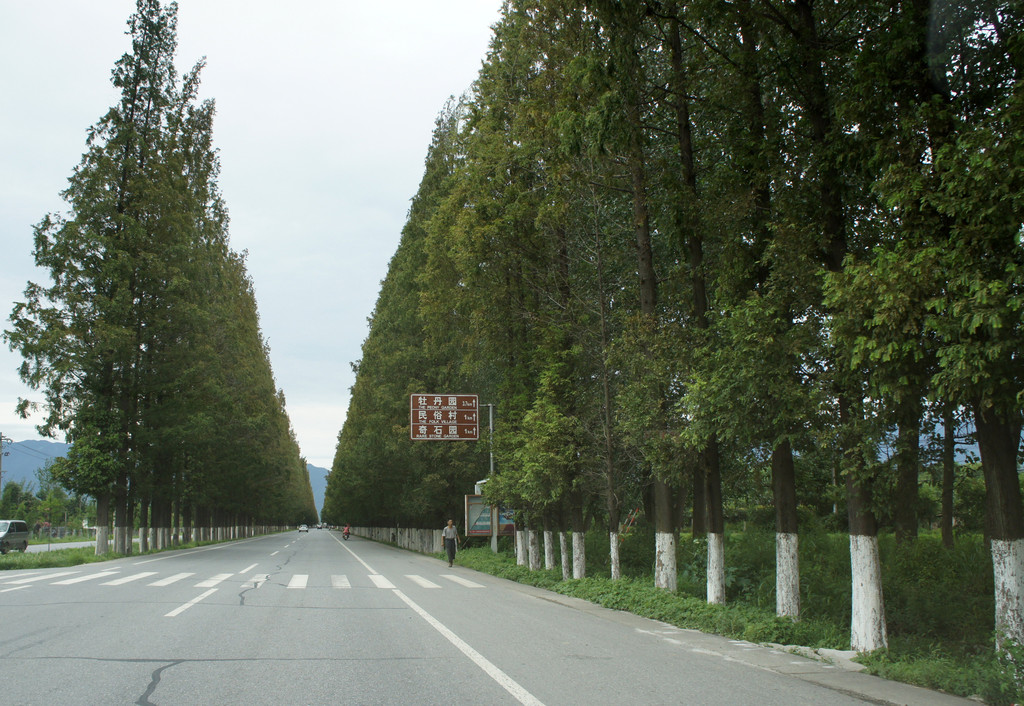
(444, 418)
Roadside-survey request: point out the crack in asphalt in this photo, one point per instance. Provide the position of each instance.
(154, 682)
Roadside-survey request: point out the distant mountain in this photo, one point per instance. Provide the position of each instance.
(24, 458)
(318, 481)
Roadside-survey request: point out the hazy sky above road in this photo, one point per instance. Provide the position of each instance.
(325, 110)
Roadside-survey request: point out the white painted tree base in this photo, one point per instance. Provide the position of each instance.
(666, 574)
(534, 540)
(1008, 572)
(520, 548)
(549, 549)
(716, 568)
(102, 540)
(867, 622)
(563, 546)
(787, 575)
(614, 556)
(579, 556)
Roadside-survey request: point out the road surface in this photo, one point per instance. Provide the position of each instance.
(304, 618)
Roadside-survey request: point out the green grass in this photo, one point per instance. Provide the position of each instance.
(939, 601)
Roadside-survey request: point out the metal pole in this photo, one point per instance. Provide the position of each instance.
(494, 508)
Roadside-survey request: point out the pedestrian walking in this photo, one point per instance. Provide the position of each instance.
(451, 539)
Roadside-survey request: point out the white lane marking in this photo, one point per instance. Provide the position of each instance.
(80, 579)
(425, 583)
(213, 580)
(381, 582)
(273, 553)
(298, 581)
(256, 581)
(505, 681)
(248, 569)
(340, 581)
(171, 579)
(354, 555)
(127, 579)
(182, 608)
(184, 552)
(31, 573)
(16, 588)
(461, 581)
(42, 578)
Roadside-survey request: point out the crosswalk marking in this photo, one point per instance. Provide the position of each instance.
(461, 581)
(171, 579)
(256, 581)
(296, 581)
(128, 579)
(87, 577)
(43, 577)
(381, 582)
(425, 583)
(213, 581)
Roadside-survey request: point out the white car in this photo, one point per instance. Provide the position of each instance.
(303, 528)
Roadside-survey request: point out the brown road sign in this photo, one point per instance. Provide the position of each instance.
(444, 417)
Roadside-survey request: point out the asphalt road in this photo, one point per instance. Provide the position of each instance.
(304, 618)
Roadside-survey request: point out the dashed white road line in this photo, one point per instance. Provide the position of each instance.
(182, 608)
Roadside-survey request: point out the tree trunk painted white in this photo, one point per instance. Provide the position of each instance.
(666, 574)
(787, 575)
(534, 539)
(563, 546)
(867, 622)
(1008, 572)
(616, 567)
(716, 568)
(123, 539)
(579, 556)
(102, 540)
(143, 540)
(520, 548)
(549, 549)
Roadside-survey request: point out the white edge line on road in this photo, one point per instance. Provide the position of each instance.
(182, 608)
(186, 552)
(343, 546)
(505, 681)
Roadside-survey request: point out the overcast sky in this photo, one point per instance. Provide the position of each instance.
(325, 110)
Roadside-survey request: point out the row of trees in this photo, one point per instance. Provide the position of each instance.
(48, 506)
(146, 341)
(693, 248)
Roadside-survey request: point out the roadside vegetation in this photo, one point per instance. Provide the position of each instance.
(939, 612)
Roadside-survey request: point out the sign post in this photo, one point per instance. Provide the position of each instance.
(444, 417)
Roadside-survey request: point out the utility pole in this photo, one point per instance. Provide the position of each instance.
(3, 440)
(490, 473)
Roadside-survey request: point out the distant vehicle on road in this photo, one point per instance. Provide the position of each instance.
(303, 528)
(13, 535)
